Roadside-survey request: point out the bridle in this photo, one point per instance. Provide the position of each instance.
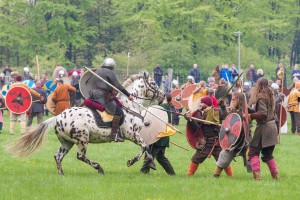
(149, 87)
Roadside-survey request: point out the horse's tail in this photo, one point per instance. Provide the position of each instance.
(28, 143)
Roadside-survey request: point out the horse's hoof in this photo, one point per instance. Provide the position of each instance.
(152, 165)
(61, 173)
(129, 163)
(101, 171)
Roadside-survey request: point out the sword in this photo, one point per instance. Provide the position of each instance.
(132, 100)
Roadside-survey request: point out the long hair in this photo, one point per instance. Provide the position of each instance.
(262, 90)
(239, 101)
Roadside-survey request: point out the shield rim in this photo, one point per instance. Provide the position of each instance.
(8, 104)
(186, 133)
(85, 93)
(177, 104)
(230, 147)
(185, 100)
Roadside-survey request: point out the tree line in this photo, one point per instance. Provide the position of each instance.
(174, 33)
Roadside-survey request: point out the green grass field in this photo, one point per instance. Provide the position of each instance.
(36, 177)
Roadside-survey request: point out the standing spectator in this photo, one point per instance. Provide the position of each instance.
(166, 84)
(158, 73)
(21, 117)
(259, 73)
(249, 76)
(293, 108)
(296, 72)
(226, 73)
(2, 80)
(2, 105)
(61, 96)
(7, 73)
(37, 108)
(234, 73)
(281, 73)
(75, 83)
(194, 72)
(58, 72)
(216, 74)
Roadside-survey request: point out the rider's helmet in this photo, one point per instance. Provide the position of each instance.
(109, 62)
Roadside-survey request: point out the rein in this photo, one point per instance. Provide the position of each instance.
(151, 88)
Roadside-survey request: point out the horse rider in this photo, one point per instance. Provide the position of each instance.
(104, 94)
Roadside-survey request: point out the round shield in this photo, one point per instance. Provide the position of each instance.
(30, 83)
(5, 89)
(230, 131)
(85, 84)
(50, 105)
(193, 136)
(149, 133)
(186, 94)
(18, 100)
(50, 86)
(283, 115)
(176, 98)
(245, 113)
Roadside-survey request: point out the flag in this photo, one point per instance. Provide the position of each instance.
(169, 132)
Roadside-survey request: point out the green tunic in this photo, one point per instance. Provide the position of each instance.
(164, 142)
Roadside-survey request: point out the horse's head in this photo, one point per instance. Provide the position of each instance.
(152, 89)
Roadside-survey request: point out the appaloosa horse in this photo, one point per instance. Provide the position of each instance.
(77, 126)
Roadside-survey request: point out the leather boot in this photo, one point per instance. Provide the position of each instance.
(229, 171)
(218, 171)
(12, 126)
(192, 169)
(256, 176)
(115, 134)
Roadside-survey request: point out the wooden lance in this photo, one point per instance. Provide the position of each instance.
(132, 101)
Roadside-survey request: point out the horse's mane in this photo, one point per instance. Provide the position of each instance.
(131, 79)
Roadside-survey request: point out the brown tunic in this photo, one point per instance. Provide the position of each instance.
(266, 130)
(61, 97)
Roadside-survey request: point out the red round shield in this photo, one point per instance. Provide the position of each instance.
(176, 98)
(230, 131)
(283, 115)
(18, 100)
(186, 93)
(193, 136)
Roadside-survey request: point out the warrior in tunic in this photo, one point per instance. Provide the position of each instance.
(226, 156)
(266, 135)
(209, 142)
(104, 94)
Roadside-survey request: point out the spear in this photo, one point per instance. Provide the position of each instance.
(192, 118)
(132, 101)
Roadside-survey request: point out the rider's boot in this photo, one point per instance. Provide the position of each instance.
(115, 133)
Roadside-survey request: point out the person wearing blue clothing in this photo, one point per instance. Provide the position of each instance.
(158, 73)
(234, 73)
(166, 84)
(226, 73)
(296, 72)
(194, 72)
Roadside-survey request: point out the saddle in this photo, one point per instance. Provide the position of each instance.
(102, 118)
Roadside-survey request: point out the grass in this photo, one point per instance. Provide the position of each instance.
(36, 177)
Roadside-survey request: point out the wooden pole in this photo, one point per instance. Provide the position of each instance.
(179, 146)
(37, 64)
(280, 111)
(128, 57)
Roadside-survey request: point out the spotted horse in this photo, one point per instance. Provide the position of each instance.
(77, 125)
